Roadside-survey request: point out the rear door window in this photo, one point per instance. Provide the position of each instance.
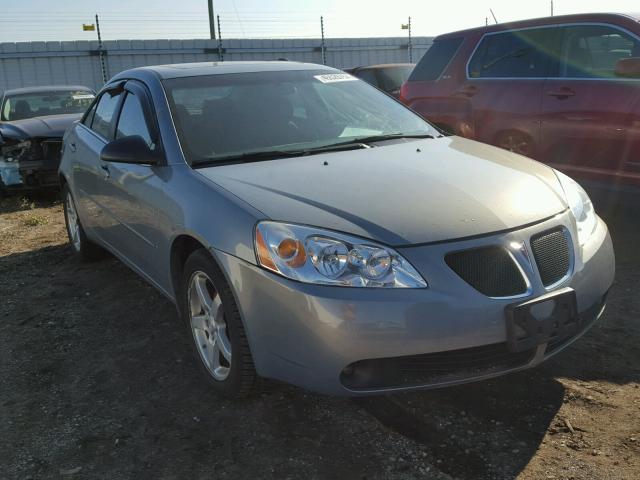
(436, 59)
(88, 118)
(514, 54)
(592, 51)
(105, 113)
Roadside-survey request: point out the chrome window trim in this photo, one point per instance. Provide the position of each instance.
(558, 25)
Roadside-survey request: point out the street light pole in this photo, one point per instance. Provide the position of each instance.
(212, 24)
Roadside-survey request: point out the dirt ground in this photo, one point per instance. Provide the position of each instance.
(97, 381)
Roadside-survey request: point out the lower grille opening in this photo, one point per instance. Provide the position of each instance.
(432, 368)
(490, 270)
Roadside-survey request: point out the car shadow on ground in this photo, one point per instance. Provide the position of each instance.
(103, 377)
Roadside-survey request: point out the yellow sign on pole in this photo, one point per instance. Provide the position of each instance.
(88, 27)
(405, 26)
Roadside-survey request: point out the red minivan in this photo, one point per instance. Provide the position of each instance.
(563, 90)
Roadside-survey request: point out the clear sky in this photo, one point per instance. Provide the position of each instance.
(25, 20)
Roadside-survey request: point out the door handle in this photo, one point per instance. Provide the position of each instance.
(561, 93)
(105, 169)
(72, 147)
(468, 91)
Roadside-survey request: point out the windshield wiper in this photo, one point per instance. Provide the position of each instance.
(263, 155)
(381, 138)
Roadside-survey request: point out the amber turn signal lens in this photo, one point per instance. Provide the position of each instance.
(263, 253)
(292, 251)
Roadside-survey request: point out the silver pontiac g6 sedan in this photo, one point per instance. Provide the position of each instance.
(313, 230)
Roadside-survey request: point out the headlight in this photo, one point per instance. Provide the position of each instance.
(313, 255)
(17, 151)
(581, 207)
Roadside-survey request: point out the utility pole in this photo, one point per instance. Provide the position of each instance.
(220, 51)
(407, 26)
(552, 8)
(322, 45)
(212, 25)
(410, 46)
(101, 52)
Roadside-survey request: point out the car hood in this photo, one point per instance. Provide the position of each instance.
(49, 126)
(405, 193)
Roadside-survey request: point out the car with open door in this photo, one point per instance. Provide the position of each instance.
(313, 230)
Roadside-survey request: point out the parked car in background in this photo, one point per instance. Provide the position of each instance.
(564, 90)
(32, 123)
(388, 77)
(313, 230)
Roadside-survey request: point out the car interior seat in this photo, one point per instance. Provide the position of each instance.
(22, 110)
(578, 60)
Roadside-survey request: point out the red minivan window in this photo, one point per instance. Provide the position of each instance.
(515, 54)
(435, 60)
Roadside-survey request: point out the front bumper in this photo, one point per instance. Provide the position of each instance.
(307, 334)
(38, 171)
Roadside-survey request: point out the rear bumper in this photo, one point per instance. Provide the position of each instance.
(307, 334)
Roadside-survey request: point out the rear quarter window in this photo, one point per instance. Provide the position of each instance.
(436, 59)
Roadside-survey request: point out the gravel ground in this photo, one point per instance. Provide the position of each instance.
(98, 381)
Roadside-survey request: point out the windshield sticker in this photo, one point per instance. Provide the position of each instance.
(83, 96)
(335, 77)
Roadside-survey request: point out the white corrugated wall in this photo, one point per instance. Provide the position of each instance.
(76, 62)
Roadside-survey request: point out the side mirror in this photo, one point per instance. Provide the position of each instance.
(130, 150)
(628, 67)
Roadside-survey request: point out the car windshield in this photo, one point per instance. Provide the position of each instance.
(40, 104)
(219, 116)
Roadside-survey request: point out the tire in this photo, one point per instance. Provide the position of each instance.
(208, 308)
(84, 248)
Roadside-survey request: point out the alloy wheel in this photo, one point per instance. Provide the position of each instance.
(208, 325)
(73, 223)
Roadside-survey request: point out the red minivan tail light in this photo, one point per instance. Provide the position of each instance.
(403, 92)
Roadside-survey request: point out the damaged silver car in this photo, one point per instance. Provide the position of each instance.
(32, 123)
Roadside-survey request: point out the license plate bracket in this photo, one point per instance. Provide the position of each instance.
(551, 317)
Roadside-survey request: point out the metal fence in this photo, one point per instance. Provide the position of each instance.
(78, 62)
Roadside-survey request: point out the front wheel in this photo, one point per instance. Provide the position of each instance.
(211, 313)
(81, 245)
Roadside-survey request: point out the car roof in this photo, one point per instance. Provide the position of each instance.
(179, 70)
(543, 21)
(384, 65)
(42, 89)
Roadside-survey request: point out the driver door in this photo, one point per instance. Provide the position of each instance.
(131, 192)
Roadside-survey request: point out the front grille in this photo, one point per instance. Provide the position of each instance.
(551, 251)
(432, 368)
(51, 149)
(490, 270)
